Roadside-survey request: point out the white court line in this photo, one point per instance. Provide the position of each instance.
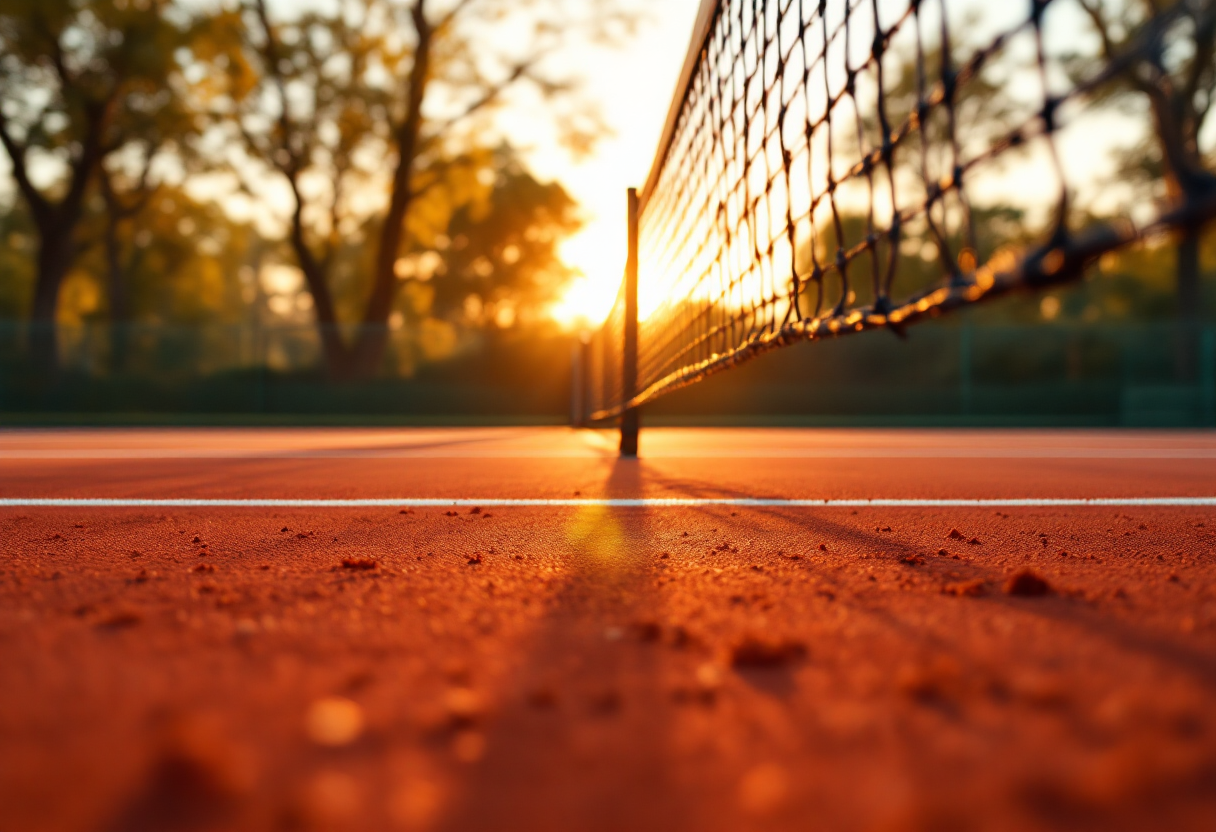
(648, 502)
(595, 453)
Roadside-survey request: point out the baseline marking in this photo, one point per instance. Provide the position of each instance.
(220, 454)
(648, 502)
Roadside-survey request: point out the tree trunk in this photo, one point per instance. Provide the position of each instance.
(54, 259)
(337, 355)
(368, 352)
(56, 224)
(316, 275)
(1189, 300)
(120, 307)
(1189, 303)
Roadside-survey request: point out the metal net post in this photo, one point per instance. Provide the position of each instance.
(630, 421)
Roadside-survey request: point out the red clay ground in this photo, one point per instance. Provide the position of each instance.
(600, 669)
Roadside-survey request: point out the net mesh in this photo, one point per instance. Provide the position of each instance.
(843, 165)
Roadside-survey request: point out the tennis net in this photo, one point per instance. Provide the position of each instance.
(836, 166)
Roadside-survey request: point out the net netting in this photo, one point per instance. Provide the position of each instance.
(833, 166)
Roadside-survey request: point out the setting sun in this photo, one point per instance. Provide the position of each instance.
(598, 253)
(633, 91)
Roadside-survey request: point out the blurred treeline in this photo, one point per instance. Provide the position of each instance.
(340, 171)
(336, 165)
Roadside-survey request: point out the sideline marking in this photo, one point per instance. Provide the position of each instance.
(86, 454)
(648, 502)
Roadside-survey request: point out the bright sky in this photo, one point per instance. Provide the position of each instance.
(634, 84)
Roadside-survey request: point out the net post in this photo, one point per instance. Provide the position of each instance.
(578, 382)
(630, 421)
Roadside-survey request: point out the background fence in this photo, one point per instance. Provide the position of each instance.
(943, 374)
(1134, 376)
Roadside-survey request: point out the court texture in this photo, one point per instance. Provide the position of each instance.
(516, 629)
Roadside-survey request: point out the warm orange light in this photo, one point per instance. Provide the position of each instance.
(585, 305)
(598, 253)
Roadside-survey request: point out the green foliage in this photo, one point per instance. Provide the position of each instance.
(91, 91)
(18, 246)
(185, 260)
(1177, 82)
(500, 262)
(379, 120)
(69, 67)
(1136, 285)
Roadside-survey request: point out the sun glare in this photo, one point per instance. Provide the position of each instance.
(598, 254)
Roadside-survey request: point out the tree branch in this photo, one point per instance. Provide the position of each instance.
(332, 240)
(407, 138)
(143, 192)
(1202, 66)
(453, 13)
(57, 59)
(39, 207)
(437, 171)
(1094, 12)
(271, 56)
(92, 153)
(490, 96)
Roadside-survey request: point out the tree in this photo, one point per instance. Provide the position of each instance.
(17, 250)
(375, 115)
(499, 259)
(1174, 71)
(75, 75)
(168, 124)
(186, 262)
(183, 261)
(121, 208)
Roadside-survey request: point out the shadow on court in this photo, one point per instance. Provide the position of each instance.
(580, 741)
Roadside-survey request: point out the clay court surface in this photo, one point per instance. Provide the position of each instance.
(585, 665)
